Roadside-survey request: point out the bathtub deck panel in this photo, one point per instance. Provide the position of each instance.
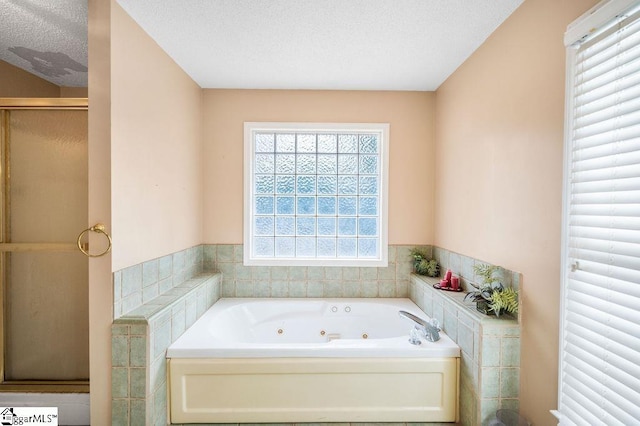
(288, 390)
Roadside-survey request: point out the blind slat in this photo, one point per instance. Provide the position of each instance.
(620, 411)
(613, 196)
(626, 239)
(581, 278)
(614, 134)
(587, 352)
(617, 264)
(620, 89)
(626, 331)
(600, 348)
(619, 211)
(607, 271)
(588, 413)
(599, 373)
(610, 222)
(607, 39)
(600, 186)
(620, 120)
(607, 109)
(624, 172)
(607, 148)
(590, 95)
(615, 39)
(614, 331)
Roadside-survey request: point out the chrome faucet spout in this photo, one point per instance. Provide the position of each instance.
(430, 330)
(417, 320)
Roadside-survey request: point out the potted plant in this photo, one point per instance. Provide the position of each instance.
(423, 265)
(491, 296)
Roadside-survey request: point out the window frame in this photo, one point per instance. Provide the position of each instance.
(381, 129)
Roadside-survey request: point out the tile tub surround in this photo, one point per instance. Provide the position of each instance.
(462, 266)
(139, 342)
(138, 284)
(155, 301)
(490, 350)
(311, 281)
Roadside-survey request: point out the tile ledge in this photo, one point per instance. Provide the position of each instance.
(144, 313)
(469, 309)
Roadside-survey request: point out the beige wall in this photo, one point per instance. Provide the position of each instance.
(73, 92)
(499, 133)
(156, 148)
(145, 169)
(100, 282)
(18, 83)
(411, 178)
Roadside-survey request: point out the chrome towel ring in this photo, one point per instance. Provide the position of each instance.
(99, 228)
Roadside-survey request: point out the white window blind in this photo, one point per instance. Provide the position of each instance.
(599, 381)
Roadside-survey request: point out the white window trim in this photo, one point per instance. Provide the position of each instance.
(250, 128)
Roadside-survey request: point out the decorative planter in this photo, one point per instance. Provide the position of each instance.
(483, 306)
(421, 267)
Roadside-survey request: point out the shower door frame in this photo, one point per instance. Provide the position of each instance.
(6, 105)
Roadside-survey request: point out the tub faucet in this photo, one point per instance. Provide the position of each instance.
(430, 330)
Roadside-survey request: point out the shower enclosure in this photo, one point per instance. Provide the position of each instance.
(44, 321)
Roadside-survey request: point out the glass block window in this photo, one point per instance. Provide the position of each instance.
(315, 194)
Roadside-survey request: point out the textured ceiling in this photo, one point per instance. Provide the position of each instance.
(320, 44)
(47, 38)
(268, 44)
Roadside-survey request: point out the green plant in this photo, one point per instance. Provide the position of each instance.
(491, 296)
(504, 301)
(488, 273)
(422, 264)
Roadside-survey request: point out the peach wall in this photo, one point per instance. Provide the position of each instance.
(73, 92)
(499, 139)
(100, 283)
(156, 148)
(18, 83)
(411, 178)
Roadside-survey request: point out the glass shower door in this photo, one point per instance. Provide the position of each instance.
(45, 277)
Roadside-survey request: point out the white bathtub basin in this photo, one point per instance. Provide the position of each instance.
(234, 328)
(310, 360)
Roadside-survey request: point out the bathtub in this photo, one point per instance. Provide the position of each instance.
(310, 360)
